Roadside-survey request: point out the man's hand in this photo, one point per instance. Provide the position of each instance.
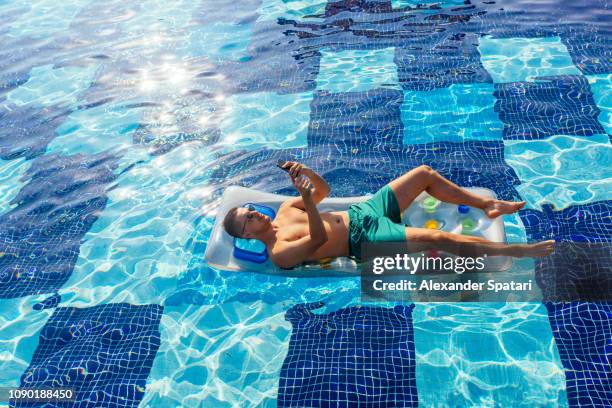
(320, 189)
(296, 169)
(303, 186)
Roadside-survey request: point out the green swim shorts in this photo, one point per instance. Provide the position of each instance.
(375, 220)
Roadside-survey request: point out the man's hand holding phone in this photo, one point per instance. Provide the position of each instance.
(318, 187)
(294, 169)
(303, 186)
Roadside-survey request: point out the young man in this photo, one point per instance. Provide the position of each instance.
(300, 233)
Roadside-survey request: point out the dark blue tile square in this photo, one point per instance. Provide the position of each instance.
(104, 353)
(557, 105)
(358, 356)
(367, 120)
(27, 130)
(357, 6)
(580, 267)
(582, 334)
(440, 61)
(40, 237)
(590, 48)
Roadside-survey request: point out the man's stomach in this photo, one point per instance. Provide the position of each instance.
(337, 227)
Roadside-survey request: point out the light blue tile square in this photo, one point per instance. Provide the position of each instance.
(11, 180)
(160, 18)
(562, 170)
(523, 59)
(46, 17)
(458, 113)
(266, 120)
(53, 86)
(357, 70)
(271, 10)
(459, 345)
(218, 40)
(95, 130)
(601, 87)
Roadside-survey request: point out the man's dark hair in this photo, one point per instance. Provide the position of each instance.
(231, 224)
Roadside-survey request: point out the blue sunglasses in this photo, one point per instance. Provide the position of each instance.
(249, 216)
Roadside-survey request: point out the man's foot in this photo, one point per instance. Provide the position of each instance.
(499, 207)
(539, 250)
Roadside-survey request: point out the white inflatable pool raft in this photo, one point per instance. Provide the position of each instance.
(226, 253)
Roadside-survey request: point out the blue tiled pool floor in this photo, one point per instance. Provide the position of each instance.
(122, 123)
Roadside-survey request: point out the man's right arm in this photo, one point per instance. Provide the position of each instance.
(318, 235)
(289, 254)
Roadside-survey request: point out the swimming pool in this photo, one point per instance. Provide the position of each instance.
(123, 123)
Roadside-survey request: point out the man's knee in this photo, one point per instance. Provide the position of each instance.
(425, 169)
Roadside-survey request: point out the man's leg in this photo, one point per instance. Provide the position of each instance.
(421, 239)
(423, 178)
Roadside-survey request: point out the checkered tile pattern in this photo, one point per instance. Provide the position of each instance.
(344, 144)
(359, 135)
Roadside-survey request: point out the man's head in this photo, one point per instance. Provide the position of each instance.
(245, 222)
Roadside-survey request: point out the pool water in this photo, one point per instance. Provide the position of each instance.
(123, 123)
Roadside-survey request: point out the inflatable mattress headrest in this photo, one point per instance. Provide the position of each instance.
(252, 250)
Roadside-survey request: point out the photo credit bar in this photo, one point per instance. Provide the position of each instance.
(462, 273)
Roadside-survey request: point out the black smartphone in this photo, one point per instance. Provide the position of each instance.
(280, 163)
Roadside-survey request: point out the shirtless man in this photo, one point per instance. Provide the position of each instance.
(300, 233)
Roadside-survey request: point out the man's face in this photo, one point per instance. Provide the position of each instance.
(252, 221)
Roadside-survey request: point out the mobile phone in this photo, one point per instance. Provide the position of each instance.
(280, 164)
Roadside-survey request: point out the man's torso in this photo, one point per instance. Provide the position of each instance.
(293, 225)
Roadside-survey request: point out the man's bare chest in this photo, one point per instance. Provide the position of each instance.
(292, 224)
